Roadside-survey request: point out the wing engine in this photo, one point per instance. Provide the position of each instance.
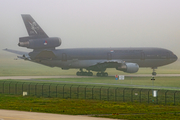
(128, 67)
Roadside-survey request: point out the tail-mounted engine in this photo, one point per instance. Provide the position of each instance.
(39, 43)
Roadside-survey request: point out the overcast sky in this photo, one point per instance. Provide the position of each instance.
(95, 23)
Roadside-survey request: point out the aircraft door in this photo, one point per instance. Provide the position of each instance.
(64, 57)
(142, 56)
(109, 56)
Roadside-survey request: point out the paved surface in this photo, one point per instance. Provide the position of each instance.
(158, 75)
(33, 77)
(21, 115)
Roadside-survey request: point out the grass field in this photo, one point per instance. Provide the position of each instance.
(110, 109)
(110, 81)
(169, 83)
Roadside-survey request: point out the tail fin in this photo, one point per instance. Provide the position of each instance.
(33, 29)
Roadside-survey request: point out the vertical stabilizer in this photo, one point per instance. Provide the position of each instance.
(33, 29)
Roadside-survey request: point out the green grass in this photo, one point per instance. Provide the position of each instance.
(136, 82)
(131, 111)
(159, 81)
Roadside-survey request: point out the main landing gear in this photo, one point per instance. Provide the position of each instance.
(82, 73)
(99, 74)
(102, 74)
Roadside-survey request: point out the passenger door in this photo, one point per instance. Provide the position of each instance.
(109, 56)
(64, 57)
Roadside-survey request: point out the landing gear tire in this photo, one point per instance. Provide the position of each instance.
(79, 73)
(102, 74)
(154, 73)
(98, 74)
(84, 74)
(90, 74)
(105, 74)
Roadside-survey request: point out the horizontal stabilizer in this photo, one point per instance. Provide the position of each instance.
(16, 52)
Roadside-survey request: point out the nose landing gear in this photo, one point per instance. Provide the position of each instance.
(154, 73)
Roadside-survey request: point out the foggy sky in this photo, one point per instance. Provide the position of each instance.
(95, 23)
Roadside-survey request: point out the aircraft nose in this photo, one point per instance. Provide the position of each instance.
(174, 57)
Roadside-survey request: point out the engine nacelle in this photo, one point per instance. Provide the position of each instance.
(40, 43)
(129, 67)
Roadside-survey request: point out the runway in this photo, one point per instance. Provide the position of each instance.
(34, 77)
(21, 115)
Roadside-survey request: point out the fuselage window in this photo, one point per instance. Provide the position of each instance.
(165, 56)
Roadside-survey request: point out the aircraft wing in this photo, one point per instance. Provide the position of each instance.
(106, 63)
(103, 64)
(110, 61)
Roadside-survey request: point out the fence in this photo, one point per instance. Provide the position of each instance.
(90, 92)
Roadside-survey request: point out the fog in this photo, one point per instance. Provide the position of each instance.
(95, 23)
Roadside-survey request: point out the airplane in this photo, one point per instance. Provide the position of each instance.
(92, 59)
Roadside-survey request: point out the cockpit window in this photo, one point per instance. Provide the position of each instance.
(165, 55)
